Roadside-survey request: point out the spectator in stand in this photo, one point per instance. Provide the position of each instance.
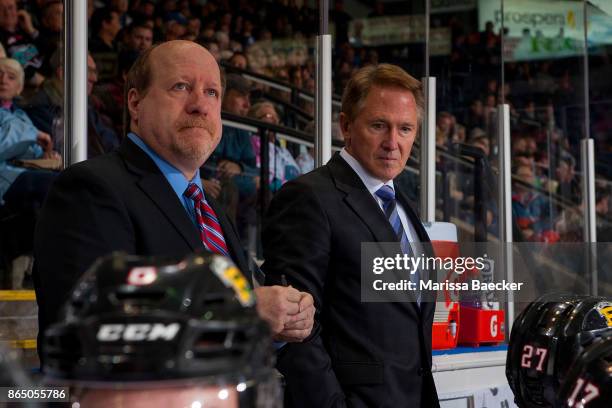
(570, 224)
(530, 208)
(104, 25)
(478, 138)
(213, 48)
(18, 35)
(475, 117)
(282, 165)
(109, 96)
(567, 186)
(144, 10)
(229, 174)
(139, 37)
(603, 195)
(222, 38)
(296, 76)
(22, 191)
(194, 25)
(50, 37)
(247, 39)
(459, 135)
(45, 110)
(239, 60)
(445, 128)
(121, 7)
(175, 28)
(521, 151)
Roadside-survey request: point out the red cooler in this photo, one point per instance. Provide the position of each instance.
(445, 331)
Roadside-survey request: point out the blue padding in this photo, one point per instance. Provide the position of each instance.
(462, 350)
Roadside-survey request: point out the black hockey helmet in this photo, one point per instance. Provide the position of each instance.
(148, 319)
(588, 383)
(545, 338)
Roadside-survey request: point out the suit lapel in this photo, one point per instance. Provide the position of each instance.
(159, 191)
(153, 183)
(359, 199)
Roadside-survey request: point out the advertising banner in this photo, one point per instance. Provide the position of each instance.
(446, 6)
(392, 30)
(549, 18)
(546, 29)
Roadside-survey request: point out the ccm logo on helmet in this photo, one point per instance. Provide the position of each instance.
(138, 332)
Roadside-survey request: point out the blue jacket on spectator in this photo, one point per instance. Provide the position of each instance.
(235, 145)
(17, 141)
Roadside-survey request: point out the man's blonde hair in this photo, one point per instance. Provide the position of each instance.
(382, 75)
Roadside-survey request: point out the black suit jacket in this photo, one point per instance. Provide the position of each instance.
(116, 202)
(360, 354)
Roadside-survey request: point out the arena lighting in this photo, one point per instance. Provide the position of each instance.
(223, 394)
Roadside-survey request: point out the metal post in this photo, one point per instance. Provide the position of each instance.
(505, 202)
(323, 97)
(587, 155)
(480, 207)
(75, 82)
(428, 152)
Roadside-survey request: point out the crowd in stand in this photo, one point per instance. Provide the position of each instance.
(275, 39)
(547, 117)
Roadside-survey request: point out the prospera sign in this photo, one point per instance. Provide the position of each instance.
(547, 17)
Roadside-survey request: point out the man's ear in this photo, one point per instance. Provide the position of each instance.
(344, 128)
(133, 104)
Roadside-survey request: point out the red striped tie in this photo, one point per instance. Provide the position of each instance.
(210, 229)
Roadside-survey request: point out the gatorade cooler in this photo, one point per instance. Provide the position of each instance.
(445, 328)
(482, 320)
(481, 326)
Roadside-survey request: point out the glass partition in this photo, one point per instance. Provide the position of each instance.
(465, 57)
(388, 32)
(543, 83)
(31, 154)
(599, 40)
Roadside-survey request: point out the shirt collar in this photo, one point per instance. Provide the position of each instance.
(177, 180)
(371, 183)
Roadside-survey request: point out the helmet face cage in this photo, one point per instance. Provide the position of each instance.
(153, 319)
(544, 339)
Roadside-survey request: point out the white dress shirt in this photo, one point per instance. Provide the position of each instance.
(373, 184)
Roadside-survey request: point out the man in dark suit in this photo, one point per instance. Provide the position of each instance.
(146, 198)
(359, 354)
